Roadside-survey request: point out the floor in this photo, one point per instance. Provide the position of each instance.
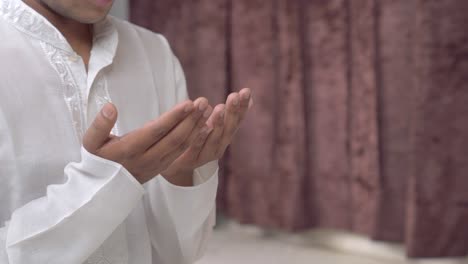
(235, 244)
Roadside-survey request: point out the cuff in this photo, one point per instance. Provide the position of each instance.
(98, 162)
(191, 206)
(205, 172)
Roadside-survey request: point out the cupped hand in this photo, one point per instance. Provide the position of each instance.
(151, 149)
(213, 140)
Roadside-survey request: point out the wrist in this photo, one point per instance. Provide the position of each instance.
(179, 177)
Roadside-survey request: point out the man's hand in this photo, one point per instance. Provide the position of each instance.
(213, 140)
(149, 150)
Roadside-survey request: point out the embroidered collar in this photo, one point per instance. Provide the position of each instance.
(30, 22)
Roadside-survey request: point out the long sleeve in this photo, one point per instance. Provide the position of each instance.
(74, 218)
(181, 219)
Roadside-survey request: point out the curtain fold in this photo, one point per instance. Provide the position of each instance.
(360, 121)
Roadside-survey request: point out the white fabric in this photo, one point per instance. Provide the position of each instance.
(61, 204)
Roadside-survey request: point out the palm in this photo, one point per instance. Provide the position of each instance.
(221, 127)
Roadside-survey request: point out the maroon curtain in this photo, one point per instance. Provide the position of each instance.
(361, 116)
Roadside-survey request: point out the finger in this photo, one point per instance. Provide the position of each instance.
(185, 147)
(231, 118)
(237, 108)
(197, 146)
(199, 126)
(206, 115)
(204, 109)
(245, 102)
(176, 140)
(98, 133)
(217, 117)
(212, 147)
(142, 139)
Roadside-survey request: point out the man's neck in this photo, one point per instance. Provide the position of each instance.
(78, 35)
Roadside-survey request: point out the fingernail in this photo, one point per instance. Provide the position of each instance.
(246, 96)
(221, 115)
(236, 101)
(205, 130)
(188, 108)
(108, 112)
(202, 106)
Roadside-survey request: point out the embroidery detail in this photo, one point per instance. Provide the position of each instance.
(102, 97)
(55, 47)
(71, 93)
(30, 22)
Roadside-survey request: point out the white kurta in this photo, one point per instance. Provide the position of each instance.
(61, 204)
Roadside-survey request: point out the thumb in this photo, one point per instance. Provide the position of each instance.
(98, 133)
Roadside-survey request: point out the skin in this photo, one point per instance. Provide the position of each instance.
(186, 137)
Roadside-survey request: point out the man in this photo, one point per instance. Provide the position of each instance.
(78, 177)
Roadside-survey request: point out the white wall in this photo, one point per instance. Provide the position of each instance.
(120, 9)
